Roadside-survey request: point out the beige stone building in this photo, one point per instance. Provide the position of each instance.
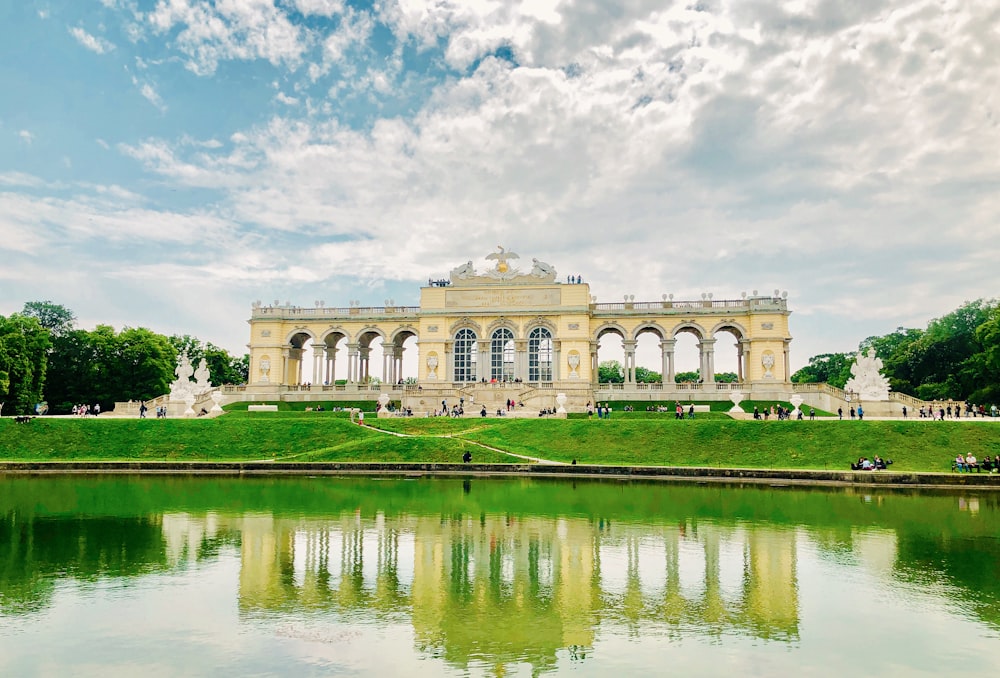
(510, 333)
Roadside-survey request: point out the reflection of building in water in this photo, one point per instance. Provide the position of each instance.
(551, 581)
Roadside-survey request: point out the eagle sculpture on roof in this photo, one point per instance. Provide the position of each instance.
(501, 257)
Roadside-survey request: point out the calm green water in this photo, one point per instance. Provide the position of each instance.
(170, 576)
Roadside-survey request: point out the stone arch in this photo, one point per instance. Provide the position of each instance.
(726, 354)
(690, 327)
(689, 356)
(402, 333)
(367, 334)
(465, 323)
(540, 322)
(649, 327)
(336, 333)
(299, 336)
(731, 326)
(397, 338)
(610, 327)
(503, 322)
(616, 349)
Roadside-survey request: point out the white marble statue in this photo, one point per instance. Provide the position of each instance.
(432, 365)
(182, 386)
(183, 371)
(540, 269)
(866, 377)
(463, 272)
(265, 368)
(201, 377)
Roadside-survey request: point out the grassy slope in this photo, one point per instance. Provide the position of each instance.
(650, 440)
(228, 438)
(913, 446)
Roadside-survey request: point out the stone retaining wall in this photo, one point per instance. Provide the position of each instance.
(689, 474)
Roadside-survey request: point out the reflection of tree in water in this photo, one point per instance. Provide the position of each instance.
(496, 588)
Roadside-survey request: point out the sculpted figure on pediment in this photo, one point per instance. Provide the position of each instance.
(542, 270)
(463, 272)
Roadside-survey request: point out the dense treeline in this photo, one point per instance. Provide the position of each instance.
(45, 358)
(956, 358)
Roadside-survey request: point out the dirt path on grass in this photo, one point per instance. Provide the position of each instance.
(452, 436)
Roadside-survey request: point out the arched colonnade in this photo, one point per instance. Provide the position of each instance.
(706, 340)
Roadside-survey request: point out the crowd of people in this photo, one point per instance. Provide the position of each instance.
(876, 463)
(943, 412)
(86, 410)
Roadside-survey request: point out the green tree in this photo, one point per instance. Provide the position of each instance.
(145, 364)
(610, 372)
(647, 376)
(24, 347)
(687, 377)
(830, 368)
(726, 378)
(106, 367)
(56, 318)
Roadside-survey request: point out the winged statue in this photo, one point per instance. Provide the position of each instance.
(501, 257)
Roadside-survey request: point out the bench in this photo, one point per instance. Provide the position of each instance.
(978, 467)
(262, 408)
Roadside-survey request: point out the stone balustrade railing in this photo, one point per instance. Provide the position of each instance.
(349, 313)
(670, 306)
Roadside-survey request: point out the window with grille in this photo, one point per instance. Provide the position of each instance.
(540, 355)
(502, 355)
(466, 353)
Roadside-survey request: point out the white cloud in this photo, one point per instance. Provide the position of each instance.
(842, 151)
(327, 8)
(150, 94)
(232, 29)
(92, 42)
(26, 136)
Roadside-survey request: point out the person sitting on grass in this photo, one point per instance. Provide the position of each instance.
(866, 465)
(987, 464)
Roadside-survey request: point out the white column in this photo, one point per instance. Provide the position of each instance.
(707, 348)
(317, 363)
(629, 360)
(667, 360)
(788, 369)
(352, 363)
(284, 365)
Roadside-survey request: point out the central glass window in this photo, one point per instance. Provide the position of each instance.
(540, 355)
(502, 355)
(466, 352)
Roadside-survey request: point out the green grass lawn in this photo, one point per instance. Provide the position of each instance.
(309, 436)
(642, 439)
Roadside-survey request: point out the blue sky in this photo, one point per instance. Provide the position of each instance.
(164, 163)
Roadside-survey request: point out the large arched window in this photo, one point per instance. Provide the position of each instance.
(502, 355)
(466, 352)
(540, 355)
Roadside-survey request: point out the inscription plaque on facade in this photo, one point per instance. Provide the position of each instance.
(492, 298)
